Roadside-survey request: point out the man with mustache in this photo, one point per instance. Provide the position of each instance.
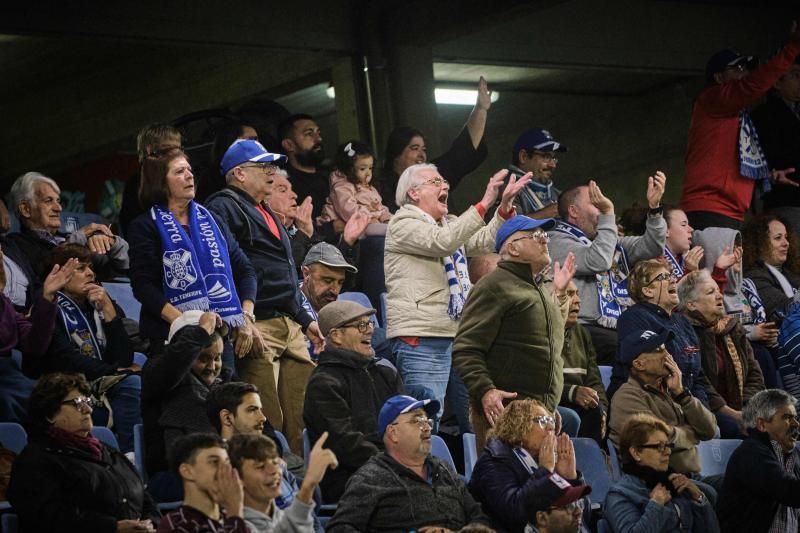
(301, 139)
(535, 151)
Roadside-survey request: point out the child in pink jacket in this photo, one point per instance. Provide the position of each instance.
(350, 187)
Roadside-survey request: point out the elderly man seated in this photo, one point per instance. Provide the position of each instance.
(405, 488)
(346, 391)
(36, 200)
(761, 491)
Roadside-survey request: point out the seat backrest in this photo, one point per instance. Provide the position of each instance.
(590, 461)
(614, 460)
(138, 450)
(439, 449)
(122, 293)
(360, 298)
(470, 454)
(603, 526)
(383, 308)
(71, 221)
(13, 436)
(106, 436)
(605, 375)
(9, 523)
(714, 455)
(306, 447)
(283, 441)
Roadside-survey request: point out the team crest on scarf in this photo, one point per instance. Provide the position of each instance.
(179, 272)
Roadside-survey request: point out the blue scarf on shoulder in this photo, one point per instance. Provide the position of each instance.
(90, 341)
(197, 272)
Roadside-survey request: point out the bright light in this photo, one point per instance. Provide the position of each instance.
(460, 96)
(331, 92)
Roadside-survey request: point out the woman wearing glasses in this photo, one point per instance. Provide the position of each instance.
(67, 480)
(649, 496)
(524, 468)
(728, 362)
(653, 286)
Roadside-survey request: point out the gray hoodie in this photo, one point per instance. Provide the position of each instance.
(714, 241)
(297, 518)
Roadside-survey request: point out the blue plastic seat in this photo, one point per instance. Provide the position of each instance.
(122, 294)
(470, 454)
(9, 523)
(439, 449)
(590, 461)
(714, 455)
(282, 439)
(605, 375)
(603, 526)
(138, 450)
(71, 221)
(616, 472)
(306, 447)
(383, 309)
(360, 298)
(106, 436)
(13, 436)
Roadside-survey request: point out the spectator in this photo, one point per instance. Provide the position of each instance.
(603, 260)
(36, 199)
(491, 339)
(256, 460)
(525, 468)
(89, 338)
(67, 480)
(779, 132)
(650, 496)
(279, 315)
(724, 158)
(175, 386)
(152, 140)
(351, 187)
(426, 270)
(535, 152)
(679, 251)
(346, 392)
(761, 491)
(655, 387)
(654, 289)
(733, 373)
(213, 495)
(406, 146)
(405, 488)
(301, 139)
(227, 133)
(179, 249)
(563, 516)
(583, 390)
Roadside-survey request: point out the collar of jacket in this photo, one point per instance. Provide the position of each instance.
(348, 358)
(521, 270)
(498, 448)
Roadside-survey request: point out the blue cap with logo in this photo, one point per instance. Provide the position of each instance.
(728, 58)
(641, 341)
(397, 405)
(244, 150)
(520, 223)
(538, 139)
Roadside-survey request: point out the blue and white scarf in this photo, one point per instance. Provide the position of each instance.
(612, 285)
(752, 161)
(455, 268)
(675, 264)
(90, 342)
(758, 315)
(197, 272)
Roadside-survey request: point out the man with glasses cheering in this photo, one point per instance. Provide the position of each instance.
(535, 151)
(405, 488)
(346, 391)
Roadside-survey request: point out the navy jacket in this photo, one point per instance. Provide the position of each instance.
(278, 293)
(684, 346)
(147, 273)
(507, 492)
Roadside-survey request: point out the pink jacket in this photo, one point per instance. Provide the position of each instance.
(346, 198)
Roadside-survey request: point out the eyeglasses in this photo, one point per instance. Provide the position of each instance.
(547, 156)
(421, 421)
(660, 446)
(81, 403)
(538, 235)
(737, 68)
(268, 168)
(362, 326)
(664, 276)
(545, 421)
(571, 507)
(438, 181)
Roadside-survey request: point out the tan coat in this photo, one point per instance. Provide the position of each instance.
(418, 294)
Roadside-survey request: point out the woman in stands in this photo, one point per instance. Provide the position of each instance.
(524, 466)
(652, 285)
(182, 259)
(649, 497)
(67, 480)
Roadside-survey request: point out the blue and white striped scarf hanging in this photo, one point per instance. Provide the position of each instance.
(675, 264)
(752, 161)
(90, 342)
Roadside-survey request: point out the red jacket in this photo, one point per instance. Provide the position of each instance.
(712, 181)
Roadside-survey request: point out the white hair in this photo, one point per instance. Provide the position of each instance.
(22, 189)
(689, 287)
(410, 178)
(764, 405)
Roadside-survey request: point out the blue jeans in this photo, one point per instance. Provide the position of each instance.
(124, 398)
(426, 365)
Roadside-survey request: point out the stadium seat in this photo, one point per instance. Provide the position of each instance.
(470, 454)
(306, 447)
(383, 309)
(106, 436)
(605, 375)
(439, 449)
(283, 441)
(616, 471)
(603, 526)
(714, 455)
(122, 293)
(13, 436)
(9, 523)
(138, 450)
(590, 461)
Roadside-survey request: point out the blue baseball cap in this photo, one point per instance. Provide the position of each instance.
(520, 223)
(397, 405)
(728, 58)
(538, 139)
(244, 150)
(641, 341)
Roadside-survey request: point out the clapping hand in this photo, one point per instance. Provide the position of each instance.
(655, 189)
(58, 277)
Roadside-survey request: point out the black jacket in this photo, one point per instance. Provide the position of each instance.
(779, 132)
(173, 398)
(776, 303)
(755, 483)
(278, 293)
(147, 273)
(64, 489)
(344, 395)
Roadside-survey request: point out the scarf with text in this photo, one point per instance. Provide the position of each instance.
(90, 341)
(752, 161)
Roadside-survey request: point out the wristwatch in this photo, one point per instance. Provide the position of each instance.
(655, 211)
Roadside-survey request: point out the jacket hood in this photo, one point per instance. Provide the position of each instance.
(714, 241)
